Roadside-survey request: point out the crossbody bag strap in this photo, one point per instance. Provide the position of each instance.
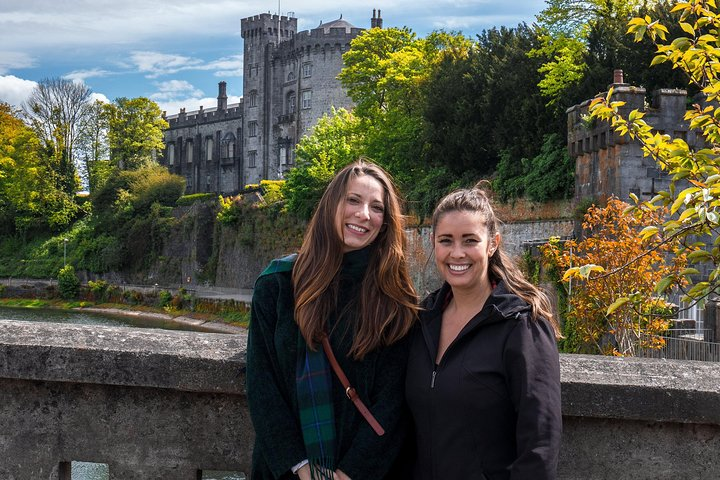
(349, 390)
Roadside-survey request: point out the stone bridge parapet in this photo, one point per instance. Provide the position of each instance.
(154, 404)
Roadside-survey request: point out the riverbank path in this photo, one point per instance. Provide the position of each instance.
(199, 291)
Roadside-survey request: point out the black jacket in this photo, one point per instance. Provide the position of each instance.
(492, 405)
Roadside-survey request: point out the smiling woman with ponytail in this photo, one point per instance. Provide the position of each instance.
(349, 283)
(483, 380)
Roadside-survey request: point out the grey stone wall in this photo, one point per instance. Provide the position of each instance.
(164, 405)
(149, 404)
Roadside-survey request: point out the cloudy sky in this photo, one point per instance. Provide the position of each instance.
(175, 52)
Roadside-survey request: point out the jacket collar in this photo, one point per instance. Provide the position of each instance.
(499, 307)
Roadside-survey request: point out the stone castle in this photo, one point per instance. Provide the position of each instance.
(289, 82)
(607, 163)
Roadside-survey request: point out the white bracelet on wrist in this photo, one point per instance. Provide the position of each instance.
(299, 466)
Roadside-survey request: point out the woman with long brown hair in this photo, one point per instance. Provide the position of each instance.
(347, 294)
(483, 380)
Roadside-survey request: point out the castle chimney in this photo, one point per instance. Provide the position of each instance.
(222, 96)
(376, 21)
(618, 76)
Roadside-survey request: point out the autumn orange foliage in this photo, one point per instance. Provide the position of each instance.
(611, 278)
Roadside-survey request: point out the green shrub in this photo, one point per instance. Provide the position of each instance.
(164, 298)
(156, 185)
(133, 297)
(68, 282)
(229, 211)
(195, 197)
(98, 290)
(272, 191)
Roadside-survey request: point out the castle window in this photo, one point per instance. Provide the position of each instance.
(307, 70)
(290, 103)
(209, 147)
(252, 157)
(282, 154)
(291, 76)
(252, 99)
(171, 154)
(189, 151)
(306, 99)
(252, 129)
(228, 146)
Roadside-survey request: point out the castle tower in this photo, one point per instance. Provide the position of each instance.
(261, 35)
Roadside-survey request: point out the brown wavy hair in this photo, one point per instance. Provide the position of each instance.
(501, 266)
(387, 302)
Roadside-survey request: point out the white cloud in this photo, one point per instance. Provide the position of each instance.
(155, 64)
(14, 90)
(70, 24)
(79, 76)
(231, 66)
(172, 89)
(99, 97)
(12, 60)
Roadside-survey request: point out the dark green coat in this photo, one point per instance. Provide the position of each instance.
(271, 370)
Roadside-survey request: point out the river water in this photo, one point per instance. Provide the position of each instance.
(90, 318)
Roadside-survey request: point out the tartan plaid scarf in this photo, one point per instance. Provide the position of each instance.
(317, 417)
(314, 395)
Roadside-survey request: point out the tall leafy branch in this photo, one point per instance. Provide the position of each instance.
(693, 197)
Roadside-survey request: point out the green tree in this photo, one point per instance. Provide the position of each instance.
(334, 141)
(29, 196)
(583, 41)
(135, 129)
(93, 148)
(55, 110)
(387, 74)
(549, 175)
(373, 56)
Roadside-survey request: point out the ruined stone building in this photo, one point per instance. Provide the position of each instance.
(607, 163)
(289, 82)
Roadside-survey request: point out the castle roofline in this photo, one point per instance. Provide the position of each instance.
(339, 23)
(204, 110)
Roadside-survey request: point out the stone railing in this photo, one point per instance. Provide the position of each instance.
(152, 404)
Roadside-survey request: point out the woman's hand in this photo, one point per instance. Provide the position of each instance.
(304, 472)
(340, 475)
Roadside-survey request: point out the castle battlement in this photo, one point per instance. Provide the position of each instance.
(317, 40)
(266, 24)
(183, 119)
